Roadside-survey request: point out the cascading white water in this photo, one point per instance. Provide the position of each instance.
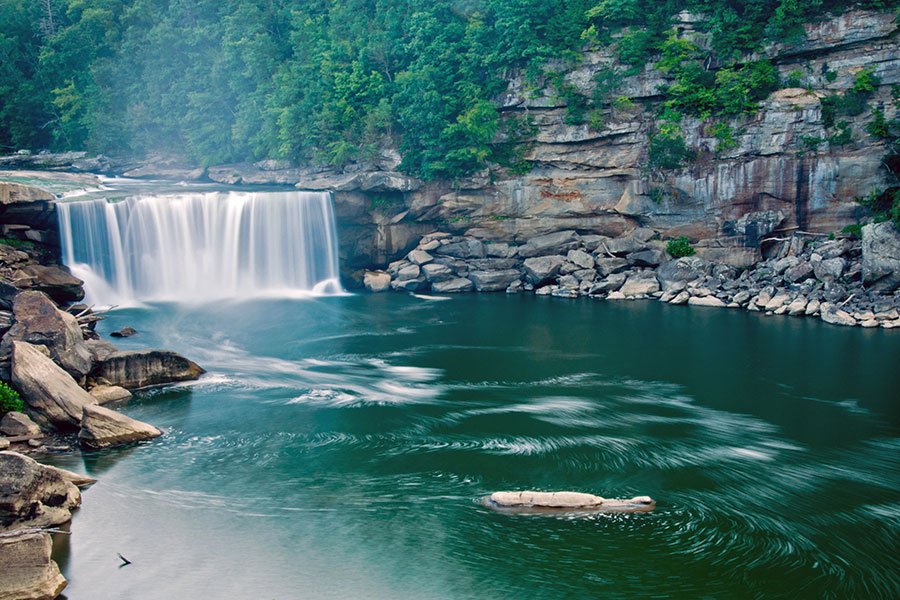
(197, 247)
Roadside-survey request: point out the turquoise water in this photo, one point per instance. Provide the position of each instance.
(338, 448)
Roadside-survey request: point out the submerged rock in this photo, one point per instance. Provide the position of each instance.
(142, 368)
(27, 571)
(529, 501)
(52, 396)
(102, 427)
(34, 495)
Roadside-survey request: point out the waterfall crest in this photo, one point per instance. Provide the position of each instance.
(197, 247)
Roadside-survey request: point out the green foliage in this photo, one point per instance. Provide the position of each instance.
(865, 81)
(854, 230)
(885, 205)
(811, 142)
(657, 195)
(842, 136)
(878, 127)
(831, 76)
(680, 247)
(724, 134)
(667, 149)
(9, 399)
(794, 79)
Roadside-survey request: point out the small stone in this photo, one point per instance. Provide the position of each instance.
(706, 301)
(15, 424)
(797, 307)
(616, 296)
(681, 298)
(869, 323)
(124, 332)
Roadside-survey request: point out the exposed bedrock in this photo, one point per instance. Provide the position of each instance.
(143, 368)
(35, 495)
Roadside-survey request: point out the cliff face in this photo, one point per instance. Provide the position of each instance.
(598, 181)
(779, 174)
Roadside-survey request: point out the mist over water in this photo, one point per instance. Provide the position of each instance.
(339, 446)
(201, 246)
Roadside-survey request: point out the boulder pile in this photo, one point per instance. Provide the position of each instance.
(843, 281)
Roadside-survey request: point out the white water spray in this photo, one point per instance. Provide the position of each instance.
(199, 247)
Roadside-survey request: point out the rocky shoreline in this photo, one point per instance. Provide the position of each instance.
(64, 375)
(843, 281)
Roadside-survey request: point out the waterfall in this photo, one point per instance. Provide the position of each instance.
(197, 247)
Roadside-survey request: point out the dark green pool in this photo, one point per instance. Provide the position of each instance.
(338, 447)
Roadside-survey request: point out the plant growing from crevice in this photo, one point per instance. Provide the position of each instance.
(10, 401)
(680, 247)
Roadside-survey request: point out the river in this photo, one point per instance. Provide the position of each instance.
(338, 448)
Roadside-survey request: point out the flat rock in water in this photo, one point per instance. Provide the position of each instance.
(143, 368)
(102, 427)
(27, 572)
(124, 332)
(530, 501)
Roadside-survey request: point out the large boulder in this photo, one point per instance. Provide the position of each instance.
(27, 572)
(552, 243)
(32, 495)
(680, 270)
(56, 282)
(542, 269)
(493, 281)
(39, 322)
(640, 284)
(52, 396)
(464, 248)
(453, 286)
(377, 281)
(16, 424)
(142, 368)
(102, 427)
(881, 256)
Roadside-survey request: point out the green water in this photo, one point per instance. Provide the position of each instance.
(338, 449)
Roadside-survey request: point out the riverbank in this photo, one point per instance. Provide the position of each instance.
(844, 281)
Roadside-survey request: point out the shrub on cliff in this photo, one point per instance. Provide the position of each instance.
(9, 399)
(680, 247)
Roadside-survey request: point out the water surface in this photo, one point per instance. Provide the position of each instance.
(338, 447)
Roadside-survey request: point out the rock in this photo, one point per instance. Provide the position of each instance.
(452, 286)
(799, 272)
(142, 368)
(56, 282)
(778, 300)
(493, 281)
(610, 284)
(27, 572)
(377, 281)
(680, 298)
(102, 427)
(797, 307)
(16, 424)
(608, 266)
(552, 243)
(673, 272)
(76, 479)
(32, 495)
(640, 284)
(829, 269)
(14, 193)
(565, 501)
(881, 256)
(580, 258)
(741, 297)
(706, 301)
(812, 308)
(124, 332)
(419, 257)
(410, 285)
(617, 295)
(836, 316)
(646, 258)
(109, 393)
(622, 246)
(435, 272)
(39, 322)
(52, 396)
(542, 269)
(783, 264)
(466, 248)
(100, 349)
(4, 443)
(408, 272)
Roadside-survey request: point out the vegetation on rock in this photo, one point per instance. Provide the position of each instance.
(680, 247)
(335, 82)
(9, 399)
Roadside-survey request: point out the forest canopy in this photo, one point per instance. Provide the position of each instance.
(326, 81)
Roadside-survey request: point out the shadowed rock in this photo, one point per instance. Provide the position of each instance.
(144, 368)
(56, 282)
(33, 495)
(550, 502)
(102, 427)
